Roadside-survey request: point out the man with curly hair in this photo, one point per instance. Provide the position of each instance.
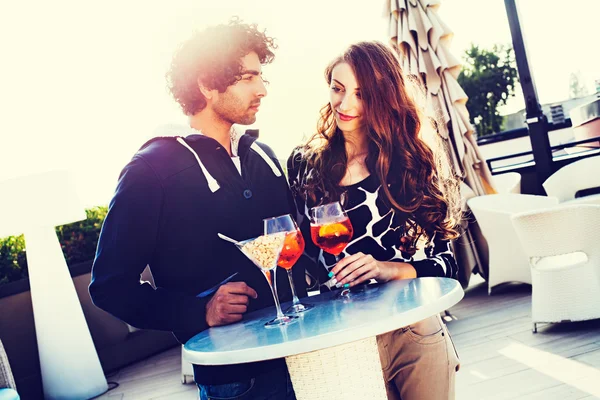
(184, 187)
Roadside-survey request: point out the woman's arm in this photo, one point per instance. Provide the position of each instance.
(359, 267)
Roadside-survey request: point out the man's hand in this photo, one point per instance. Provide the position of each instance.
(228, 303)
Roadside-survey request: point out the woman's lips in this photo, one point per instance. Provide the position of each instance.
(345, 117)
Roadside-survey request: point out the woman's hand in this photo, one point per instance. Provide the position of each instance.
(359, 267)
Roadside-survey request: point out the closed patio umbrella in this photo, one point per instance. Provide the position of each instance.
(423, 43)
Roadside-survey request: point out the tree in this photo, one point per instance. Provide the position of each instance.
(488, 78)
(576, 86)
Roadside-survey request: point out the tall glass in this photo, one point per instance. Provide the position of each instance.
(293, 247)
(264, 252)
(331, 230)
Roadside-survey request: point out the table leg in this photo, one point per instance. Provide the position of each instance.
(348, 371)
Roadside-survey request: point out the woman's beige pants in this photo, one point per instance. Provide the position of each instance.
(419, 361)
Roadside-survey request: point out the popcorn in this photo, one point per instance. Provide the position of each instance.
(264, 250)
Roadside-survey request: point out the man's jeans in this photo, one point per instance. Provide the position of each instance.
(274, 385)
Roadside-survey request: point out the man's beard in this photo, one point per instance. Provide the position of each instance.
(231, 109)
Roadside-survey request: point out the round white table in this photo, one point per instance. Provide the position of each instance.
(331, 351)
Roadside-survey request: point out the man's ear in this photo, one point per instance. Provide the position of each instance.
(208, 94)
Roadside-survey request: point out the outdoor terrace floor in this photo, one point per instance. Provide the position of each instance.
(500, 357)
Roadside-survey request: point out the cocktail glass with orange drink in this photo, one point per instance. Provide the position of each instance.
(293, 247)
(331, 230)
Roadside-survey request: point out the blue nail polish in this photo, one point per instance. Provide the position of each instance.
(346, 285)
(330, 274)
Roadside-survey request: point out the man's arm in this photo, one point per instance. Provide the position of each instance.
(127, 241)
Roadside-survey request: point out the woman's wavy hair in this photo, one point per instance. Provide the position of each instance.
(213, 57)
(403, 162)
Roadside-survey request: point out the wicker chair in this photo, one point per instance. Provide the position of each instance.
(509, 182)
(571, 178)
(8, 388)
(507, 261)
(564, 255)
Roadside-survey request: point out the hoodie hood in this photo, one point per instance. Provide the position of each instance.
(170, 130)
(180, 132)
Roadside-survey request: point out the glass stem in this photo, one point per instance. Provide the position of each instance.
(337, 260)
(291, 278)
(271, 279)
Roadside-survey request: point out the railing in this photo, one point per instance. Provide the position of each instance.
(591, 151)
(518, 133)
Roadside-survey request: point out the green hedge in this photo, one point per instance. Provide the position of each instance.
(78, 241)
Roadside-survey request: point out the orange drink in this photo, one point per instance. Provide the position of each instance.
(293, 247)
(332, 237)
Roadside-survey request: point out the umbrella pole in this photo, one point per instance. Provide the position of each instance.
(537, 122)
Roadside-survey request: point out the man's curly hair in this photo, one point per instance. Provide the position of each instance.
(213, 57)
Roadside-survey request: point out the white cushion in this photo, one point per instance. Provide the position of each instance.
(593, 199)
(561, 261)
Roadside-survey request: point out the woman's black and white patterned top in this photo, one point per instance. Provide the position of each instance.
(377, 227)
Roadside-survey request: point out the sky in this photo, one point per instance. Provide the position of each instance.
(559, 37)
(82, 83)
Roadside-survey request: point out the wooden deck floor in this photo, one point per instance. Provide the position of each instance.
(500, 357)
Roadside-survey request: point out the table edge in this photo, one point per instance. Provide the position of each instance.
(308, 345)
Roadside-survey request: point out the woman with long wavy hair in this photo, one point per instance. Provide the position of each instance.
(369, 153)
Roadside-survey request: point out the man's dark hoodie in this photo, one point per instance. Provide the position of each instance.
(171, 200)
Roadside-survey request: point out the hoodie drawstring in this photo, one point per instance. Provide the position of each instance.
(212, 182)
(267, 159)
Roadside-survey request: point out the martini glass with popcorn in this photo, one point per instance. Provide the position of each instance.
(264, 252)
